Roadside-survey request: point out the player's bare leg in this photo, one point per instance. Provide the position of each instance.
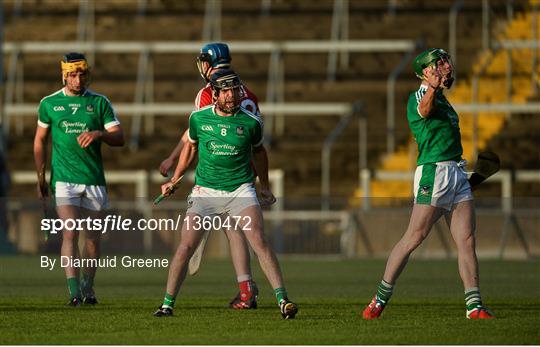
(190, 238)
(461, 221)
(422, 219)
(251, 222)
(247, 295)
(70, 249)
(92, 250)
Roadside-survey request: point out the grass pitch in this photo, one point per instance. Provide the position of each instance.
(427, 307)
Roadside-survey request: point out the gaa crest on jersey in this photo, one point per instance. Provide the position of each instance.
(240, 130)
(90, 108)
(425, 190)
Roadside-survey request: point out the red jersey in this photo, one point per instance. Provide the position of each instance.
(248, 100)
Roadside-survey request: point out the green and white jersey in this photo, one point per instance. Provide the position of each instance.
(224, 146)
(68, 117)
(437, 136)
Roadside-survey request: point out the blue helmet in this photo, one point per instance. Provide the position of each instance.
(216, 55)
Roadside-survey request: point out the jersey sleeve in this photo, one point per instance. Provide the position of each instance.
(250, 102)
(413, 112)
(44, 120)
(257, 137)
(193, 137)
(108, 115)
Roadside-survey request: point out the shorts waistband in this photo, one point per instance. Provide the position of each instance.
(461, 163)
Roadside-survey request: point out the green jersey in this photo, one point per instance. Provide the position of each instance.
(224, 146)
(438, 135)
(68, 117)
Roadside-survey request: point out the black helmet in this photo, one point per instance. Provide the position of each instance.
(225, 79)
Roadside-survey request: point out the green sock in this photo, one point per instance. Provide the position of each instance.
(384, 292)
(74, 287)
(87, 284)
(281, 294)
(169, 300)
(472, 298)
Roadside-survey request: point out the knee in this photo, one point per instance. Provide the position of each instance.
(466, 242)
(259, 241)
(234, 236)
(69, 236)
(185, 250)
(92, 238)
(415, 239)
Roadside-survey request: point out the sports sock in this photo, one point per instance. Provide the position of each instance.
(384, 292)
(74, 287)
(87, 284)
(472, 298)
(281, 294)
(169, 300)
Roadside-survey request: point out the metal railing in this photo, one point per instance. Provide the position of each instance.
(504, 177)
(146, 50)
(142, 202)
(486, 24)
(391, 99)
(452, 29)
(326, 153)
(339, 32)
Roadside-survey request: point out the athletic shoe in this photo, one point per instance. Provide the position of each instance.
(479, 312)
(245, 303)
(89, 299)
(163, 312)
(288, 309)
(374, 309)
(74, 302)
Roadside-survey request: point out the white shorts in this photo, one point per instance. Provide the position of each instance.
(93, 198)
(207, 201)
(442, 184)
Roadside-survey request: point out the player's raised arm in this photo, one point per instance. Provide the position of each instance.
(426, 105)
(434, 77)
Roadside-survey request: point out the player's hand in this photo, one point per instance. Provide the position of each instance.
(433, 77)
(266, 197)
(165, 166)
(42, 191)
(167, 188)
(87, 137)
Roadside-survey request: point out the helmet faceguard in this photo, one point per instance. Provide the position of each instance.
(225, 79)
(216, 55)
(73, 62)
(430, 58)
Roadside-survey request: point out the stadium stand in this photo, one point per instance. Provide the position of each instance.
(176, 80)
(495, 130)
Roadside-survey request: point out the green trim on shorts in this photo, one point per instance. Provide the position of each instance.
(425, 186)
